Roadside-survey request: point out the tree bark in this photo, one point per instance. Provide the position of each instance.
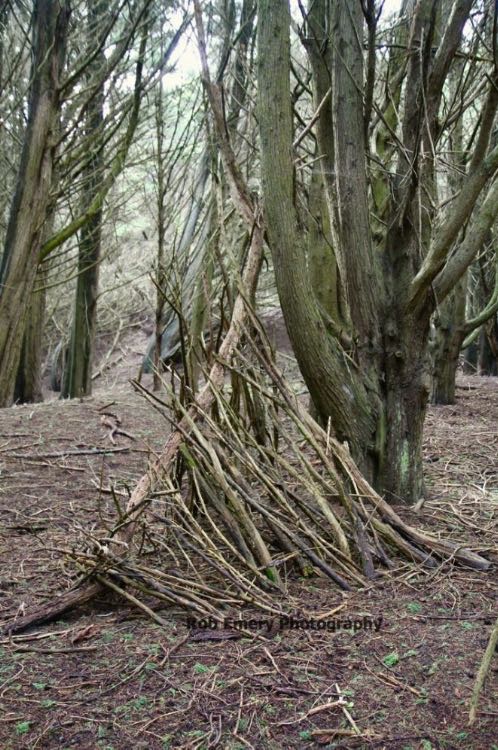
(77, 381)
(322, 362)
(29, 378)
(375, 391)
(324, 273)
(488, 352)
(30, 203)
(449, 336)
(28, 388)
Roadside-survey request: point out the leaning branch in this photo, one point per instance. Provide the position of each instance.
(470, 326)
(483, 670)
(448, 47)
(162, 465)
(449, 229)
(238, 188)
(474, 239)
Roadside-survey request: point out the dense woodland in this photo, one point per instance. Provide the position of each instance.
(214, 165)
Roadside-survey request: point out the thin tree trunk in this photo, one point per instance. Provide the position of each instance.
(449, 316)
(488, 337)
(202, 300)
(158, 323)
(488, 341)
(161, 231)
(77, 380)
(471, 354)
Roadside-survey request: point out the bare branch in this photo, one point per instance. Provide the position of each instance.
(449, 229)
(466, 251)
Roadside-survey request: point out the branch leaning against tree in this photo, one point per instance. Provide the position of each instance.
(145, 486)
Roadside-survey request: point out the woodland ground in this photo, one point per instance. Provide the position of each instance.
(105, 677)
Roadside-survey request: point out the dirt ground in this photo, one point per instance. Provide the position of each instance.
(107, 678)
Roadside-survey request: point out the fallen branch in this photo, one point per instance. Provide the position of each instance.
(77, 452)
(483, 670)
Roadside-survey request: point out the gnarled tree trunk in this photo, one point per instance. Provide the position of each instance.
(372, 385)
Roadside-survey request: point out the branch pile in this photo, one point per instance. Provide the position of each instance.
(247, 482)
(248, 490)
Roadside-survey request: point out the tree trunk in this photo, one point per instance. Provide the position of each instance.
(449, 317)
(482, 356)
(29, 206)
(28, 387)
(448, 340)
(444, 376)
(322, 362)
(488, 340)
(77, 380)
(372, 386)
(78, 374)
(470, 359)
(488, 337)
(324, 273)
(202, 300)
(29, 373)
(400, 471)
(405, 388)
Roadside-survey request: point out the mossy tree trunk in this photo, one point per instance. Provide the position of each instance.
(28, 388)
(31, 199)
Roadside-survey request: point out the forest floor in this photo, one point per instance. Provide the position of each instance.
(395, 666)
